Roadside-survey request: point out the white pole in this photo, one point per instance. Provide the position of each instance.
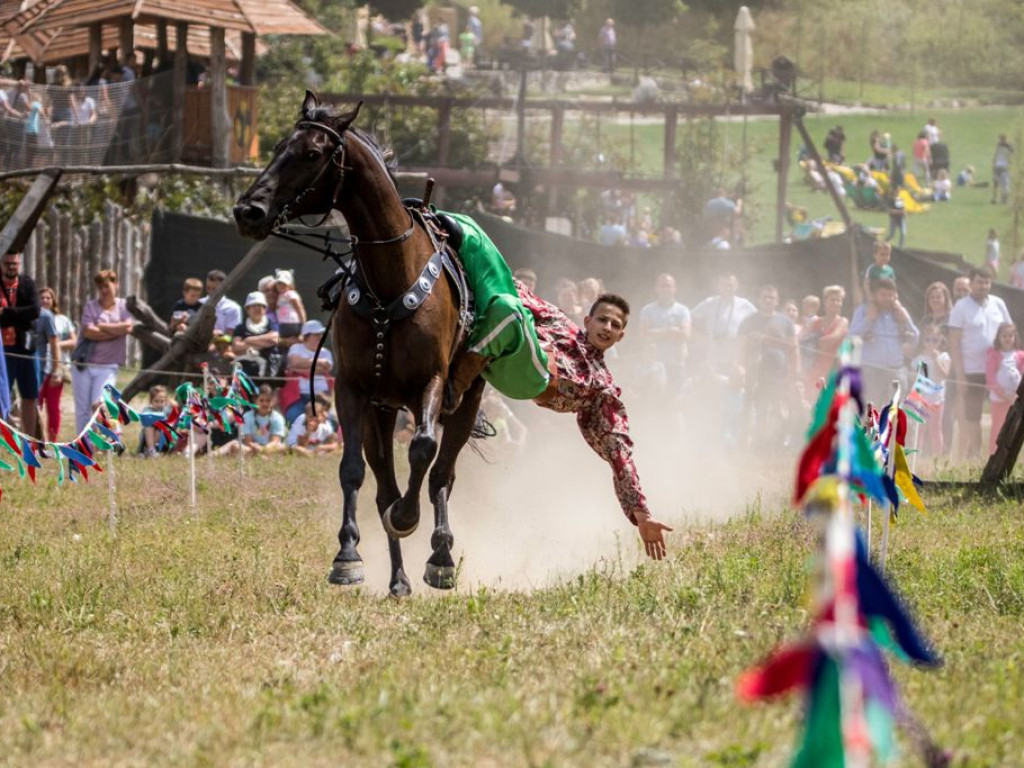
(209, 428)
(192, 465)
(890, 470)
(917, 447)
(112, 494)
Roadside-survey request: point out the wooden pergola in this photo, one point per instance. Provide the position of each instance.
(48, 29)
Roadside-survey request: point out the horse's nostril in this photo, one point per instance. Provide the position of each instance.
(253, 213)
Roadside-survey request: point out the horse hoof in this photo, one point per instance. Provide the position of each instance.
(390, 529)
(401, 588)
(439, 576)
(347, 573)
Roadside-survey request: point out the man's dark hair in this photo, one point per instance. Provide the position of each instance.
(984, 272)
(216, 274)
(266, 391)
(610, 298)
(883, 282)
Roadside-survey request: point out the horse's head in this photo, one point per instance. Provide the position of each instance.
(305, 175)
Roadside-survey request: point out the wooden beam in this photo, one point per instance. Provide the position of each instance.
(785, 140)
(200, 328)
(220, 124)
(95, 46)
(570, 105)
(19, 227)
(247, 72)
(836, 199)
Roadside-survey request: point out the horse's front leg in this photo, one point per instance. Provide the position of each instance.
(440, 569)
(380, 455)
(348, 565)
(402, 517)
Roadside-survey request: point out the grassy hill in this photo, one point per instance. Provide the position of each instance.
(959, 226)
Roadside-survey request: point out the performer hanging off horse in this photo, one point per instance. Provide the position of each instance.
(404, 336)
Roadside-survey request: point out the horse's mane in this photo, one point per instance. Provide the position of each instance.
(328, 112)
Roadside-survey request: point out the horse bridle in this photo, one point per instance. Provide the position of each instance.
(337, 159)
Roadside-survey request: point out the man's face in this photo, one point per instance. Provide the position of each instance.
(606, 326)
(885, 298)
(665, 289)
(10, 265)
(212, 284)
(768, 302)
(264, 404)
(980, 287)
(961, 287)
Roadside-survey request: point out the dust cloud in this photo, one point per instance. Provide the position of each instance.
(540, 515)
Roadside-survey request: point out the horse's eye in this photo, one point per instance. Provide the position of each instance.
(313, 155)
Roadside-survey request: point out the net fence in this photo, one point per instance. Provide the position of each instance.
(123, 123)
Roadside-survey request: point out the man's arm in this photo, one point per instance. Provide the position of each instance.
(955, 353)
(27, 309)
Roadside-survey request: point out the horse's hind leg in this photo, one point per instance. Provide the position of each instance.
(348, 565)
(402, 517)
(440, 570)
(380, 455)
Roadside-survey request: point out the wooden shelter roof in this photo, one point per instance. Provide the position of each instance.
(53, 46)
(261, 17)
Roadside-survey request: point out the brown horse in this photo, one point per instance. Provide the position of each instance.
(327, 164)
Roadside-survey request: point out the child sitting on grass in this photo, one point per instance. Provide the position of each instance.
(158, 408)
(312, 433)
(263, 429)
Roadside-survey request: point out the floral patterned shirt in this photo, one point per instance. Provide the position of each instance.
(586, 388)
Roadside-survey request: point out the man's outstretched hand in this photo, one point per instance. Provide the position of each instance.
(653, 534)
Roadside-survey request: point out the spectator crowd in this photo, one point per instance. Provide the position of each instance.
(751, 365)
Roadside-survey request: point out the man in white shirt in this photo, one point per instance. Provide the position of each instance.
(717, 320)
(973, 325)
(229, 313)
(665, 324)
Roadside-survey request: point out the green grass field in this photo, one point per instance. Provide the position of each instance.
(214, 639)
(960, 226)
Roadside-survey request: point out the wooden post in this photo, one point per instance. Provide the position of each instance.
(178, 86)
(444, 141)
(668, 159)
(95, 46)
(555, 152)
(126, 41)
(53, 265)
(162, 48)
(220, 124)
(64, 283)
(247, 72)
(785, 138)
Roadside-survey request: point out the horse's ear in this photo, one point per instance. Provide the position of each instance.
(309, 103)
(345, 120)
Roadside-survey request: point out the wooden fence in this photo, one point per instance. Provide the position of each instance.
(65, 257)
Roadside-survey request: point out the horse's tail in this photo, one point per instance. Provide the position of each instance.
(482, 430)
